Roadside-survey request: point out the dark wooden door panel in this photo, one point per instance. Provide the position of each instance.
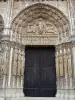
(32, 77)
(47, 92)
(40, 72)
(47, 57)
(32, 92)
(31, 57)
(48, 78)
(47, 72)
(31, 73)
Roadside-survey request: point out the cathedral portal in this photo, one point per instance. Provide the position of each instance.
(40, 24)
(44, 25)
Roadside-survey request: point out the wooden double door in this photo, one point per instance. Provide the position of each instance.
(40, 72)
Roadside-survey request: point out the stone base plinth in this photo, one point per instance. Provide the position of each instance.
(17, 94)
(65, 93)
(13, 93)
(35, 98)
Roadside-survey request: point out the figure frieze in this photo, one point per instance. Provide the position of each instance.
(41, 27)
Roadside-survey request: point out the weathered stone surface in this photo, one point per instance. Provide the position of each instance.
(36, 22)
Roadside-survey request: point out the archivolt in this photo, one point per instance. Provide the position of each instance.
(46, 12)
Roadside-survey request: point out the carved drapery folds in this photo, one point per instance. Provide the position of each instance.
(64, 66)
(17, 67)
(4, 62)
(41, 26)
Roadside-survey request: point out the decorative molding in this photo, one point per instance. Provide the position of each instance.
(37, 16)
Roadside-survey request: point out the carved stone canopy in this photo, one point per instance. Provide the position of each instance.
(41, 20)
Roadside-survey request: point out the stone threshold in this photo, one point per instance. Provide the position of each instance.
(37, 98)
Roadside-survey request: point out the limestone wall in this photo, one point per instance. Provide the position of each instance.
(3, 11)
(13, 54)
(18, 6)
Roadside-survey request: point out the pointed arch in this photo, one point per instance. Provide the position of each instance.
(45, 12)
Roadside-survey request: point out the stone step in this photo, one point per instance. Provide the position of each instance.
(37, 98)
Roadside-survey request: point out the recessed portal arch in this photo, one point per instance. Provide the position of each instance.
(39, 24)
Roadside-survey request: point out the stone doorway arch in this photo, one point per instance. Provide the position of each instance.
(47, 20)
(38, 24)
